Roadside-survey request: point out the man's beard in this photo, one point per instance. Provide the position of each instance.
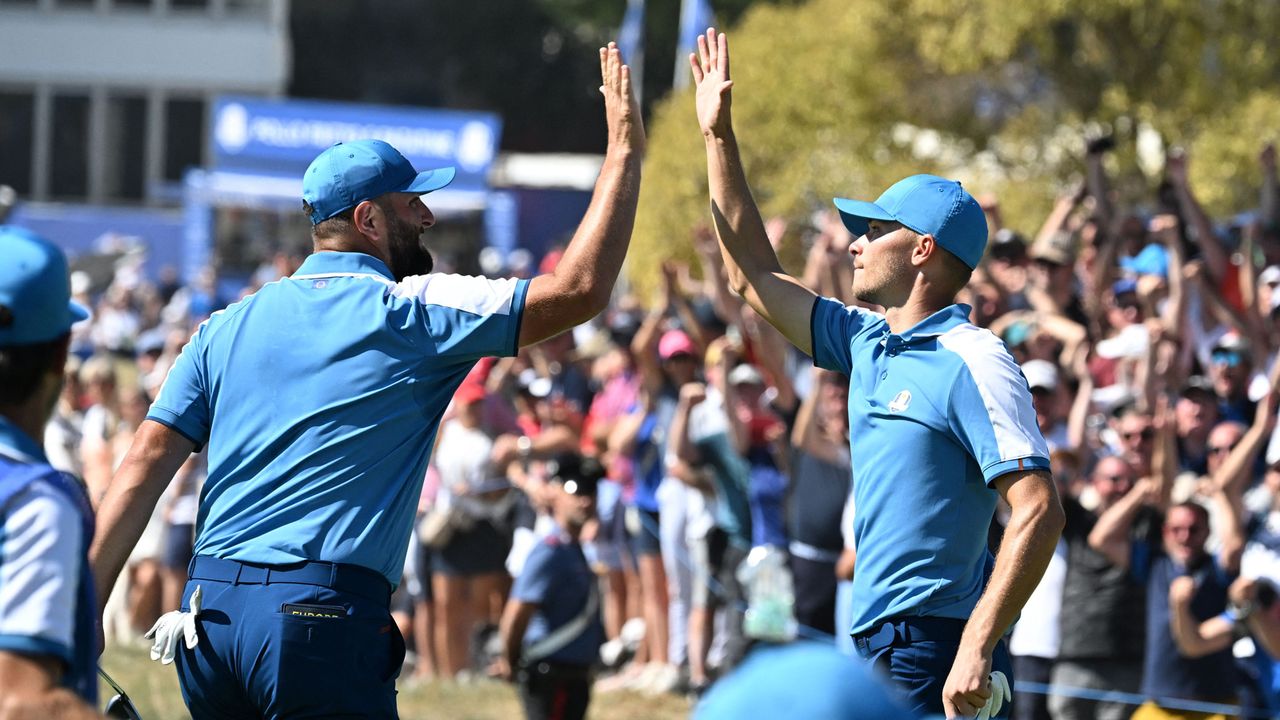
(408, 257)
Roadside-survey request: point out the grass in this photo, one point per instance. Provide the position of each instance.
(154, 689)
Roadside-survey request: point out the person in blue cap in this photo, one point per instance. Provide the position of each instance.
(319, 398)
(48, 647)
(941, 419)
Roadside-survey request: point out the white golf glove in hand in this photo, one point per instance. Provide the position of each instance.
(173, 626)
(1000, 694)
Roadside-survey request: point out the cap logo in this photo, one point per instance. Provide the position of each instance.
(900, 402)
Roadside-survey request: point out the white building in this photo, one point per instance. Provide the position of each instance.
(105, 101)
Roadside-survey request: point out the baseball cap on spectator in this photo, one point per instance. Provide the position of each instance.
(151, 341)
(35, 290)
(1017, 333)
(1124, 286)
(596, 345)
(1058, 249)
(1231, 342)
(704, 311)
(1040, 374)
(533, 384)
(745, 374)
(468, 392)
(1197, 385)
(349, 173)
(623, 326)
(580, 475)
(549, 261)
(1151, 260)
(676, 342)
(1008, 245)
(929, 205)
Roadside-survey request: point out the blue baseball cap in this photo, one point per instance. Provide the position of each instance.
(349, 173)
(35, 292)
(1153, 260)
(929, 205)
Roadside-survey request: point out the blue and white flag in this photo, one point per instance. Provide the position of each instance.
(631, 44)
(695, 17)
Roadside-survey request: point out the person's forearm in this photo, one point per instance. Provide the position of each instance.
(1269, 207)
(680, 445)
(1266, 630)
(1237, 469)
(1028, 546)
(1096, 180)
(1078, 418)
(1110, 535)
(1215, 257)
(594, 257)
(1187, 636)
(150, 464)
(743, 241)
(1057, 218)
(511, 631)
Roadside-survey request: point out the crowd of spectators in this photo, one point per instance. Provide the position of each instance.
(1148, 337)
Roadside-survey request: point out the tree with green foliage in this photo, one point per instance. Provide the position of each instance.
(847, 96)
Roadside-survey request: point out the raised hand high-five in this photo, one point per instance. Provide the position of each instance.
(621, 109)
(711, 74)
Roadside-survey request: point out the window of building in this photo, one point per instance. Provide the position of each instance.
(17, 122)
(69, 171)
(183, 137)
(126, 148)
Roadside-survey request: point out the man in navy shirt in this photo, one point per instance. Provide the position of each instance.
(319, 398)
(1168, 675)
(47, 642)
(551, 631)
(941, 419)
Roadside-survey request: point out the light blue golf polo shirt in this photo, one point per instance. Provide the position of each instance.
(935, 415)
(319, 397)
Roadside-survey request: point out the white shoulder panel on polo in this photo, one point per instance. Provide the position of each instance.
(1001, 386)
(476, 295)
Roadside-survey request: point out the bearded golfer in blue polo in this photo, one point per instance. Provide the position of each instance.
(940, 420)
(319, 398)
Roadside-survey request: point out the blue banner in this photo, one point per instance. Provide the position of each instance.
(282, 137)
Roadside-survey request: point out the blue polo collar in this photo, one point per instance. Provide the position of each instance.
(342, 263)
(931, 327)
(16, 444)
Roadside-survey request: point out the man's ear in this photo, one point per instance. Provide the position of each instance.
(926, 246)
(366, 217)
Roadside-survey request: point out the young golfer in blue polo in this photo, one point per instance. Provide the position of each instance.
(940, 420)
(319, 398)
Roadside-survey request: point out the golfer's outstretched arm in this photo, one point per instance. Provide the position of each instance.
(582, 282)
(153, 459)
(753, 267)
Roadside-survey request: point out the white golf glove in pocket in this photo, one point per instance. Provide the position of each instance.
(1000, 694)
(173, 626)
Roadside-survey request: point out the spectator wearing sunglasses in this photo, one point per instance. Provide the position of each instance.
(1230, 370)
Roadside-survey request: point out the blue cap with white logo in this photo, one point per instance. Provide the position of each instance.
(35, 292)
(929, 205)
(349, 173)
